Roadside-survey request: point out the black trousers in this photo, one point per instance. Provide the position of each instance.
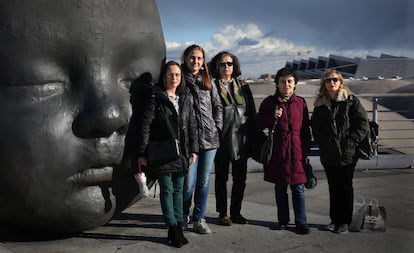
(341, 193)
(238, 171)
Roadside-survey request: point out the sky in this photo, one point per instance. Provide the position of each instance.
(264, 34)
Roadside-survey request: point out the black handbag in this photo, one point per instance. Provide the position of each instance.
(267, 147)
(161, 152)
(256, 142)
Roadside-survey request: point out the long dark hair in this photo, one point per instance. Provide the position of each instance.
(161, 81)
(205, 75)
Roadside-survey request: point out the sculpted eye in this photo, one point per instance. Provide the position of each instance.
(50, 89)
(126, 84)
(35, 92)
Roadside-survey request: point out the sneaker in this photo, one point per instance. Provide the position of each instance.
(330, 227)
(239, 219)
(186, 222)
(224, 220)
(302, 229)
(341, 229)
(201, 227)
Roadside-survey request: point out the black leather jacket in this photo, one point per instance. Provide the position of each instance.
(238, 126)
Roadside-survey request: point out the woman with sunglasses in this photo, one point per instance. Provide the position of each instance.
(239, 112)
(209, 115)
(291, 145)
(339, 122)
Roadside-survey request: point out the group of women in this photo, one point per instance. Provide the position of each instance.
(211, 112)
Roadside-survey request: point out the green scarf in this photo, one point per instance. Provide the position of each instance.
(234, 96)
(285, 97)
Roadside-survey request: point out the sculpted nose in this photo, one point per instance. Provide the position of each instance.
(103, 114)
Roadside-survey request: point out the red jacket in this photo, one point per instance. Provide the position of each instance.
(291, 139)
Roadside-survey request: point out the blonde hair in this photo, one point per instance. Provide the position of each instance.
(322, 89)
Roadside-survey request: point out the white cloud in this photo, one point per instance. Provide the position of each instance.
(260, 54)
(172, 45)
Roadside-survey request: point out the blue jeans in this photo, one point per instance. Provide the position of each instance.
(198, 178)
(298, 200)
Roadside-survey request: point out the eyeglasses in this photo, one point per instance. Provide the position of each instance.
(223, 64)
(329, 79)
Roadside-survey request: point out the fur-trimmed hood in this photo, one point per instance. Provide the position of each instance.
(325, 100)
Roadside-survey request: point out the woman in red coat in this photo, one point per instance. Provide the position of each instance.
(291, 145)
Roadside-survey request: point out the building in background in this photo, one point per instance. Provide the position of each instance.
(384, 66)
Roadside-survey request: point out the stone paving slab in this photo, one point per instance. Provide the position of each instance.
(141, 228)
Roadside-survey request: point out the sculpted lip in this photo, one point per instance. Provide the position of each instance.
(92, 176)
(103, 154)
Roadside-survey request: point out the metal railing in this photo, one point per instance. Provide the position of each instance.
(396, 132)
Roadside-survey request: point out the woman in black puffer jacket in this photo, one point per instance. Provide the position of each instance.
(169, 115)
(339, 123)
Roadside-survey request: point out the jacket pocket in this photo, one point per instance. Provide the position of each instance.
(348, 151)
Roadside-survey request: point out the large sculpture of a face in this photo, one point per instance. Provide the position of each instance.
(65, 104)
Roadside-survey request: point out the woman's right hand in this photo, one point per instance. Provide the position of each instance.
(193, 158)
(278, 113)
(142, 163)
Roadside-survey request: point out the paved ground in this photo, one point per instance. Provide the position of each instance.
(141, 229)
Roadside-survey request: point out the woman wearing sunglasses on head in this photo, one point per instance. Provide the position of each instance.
(239, 112)
(339, 122)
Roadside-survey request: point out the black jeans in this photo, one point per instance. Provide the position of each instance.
(239, 170)
(341, 193)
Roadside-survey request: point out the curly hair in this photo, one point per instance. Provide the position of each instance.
(214, 64)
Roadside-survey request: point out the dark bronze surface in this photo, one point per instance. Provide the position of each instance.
(71, 73)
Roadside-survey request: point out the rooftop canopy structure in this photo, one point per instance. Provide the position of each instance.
(384, 66)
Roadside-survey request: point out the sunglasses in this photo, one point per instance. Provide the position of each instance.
(329, 79)
(223, 64)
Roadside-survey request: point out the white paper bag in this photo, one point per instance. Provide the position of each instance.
(358, 214)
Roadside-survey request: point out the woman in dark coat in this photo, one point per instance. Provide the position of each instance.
(239, 112)
(169, 115)
(339, 123)
(291, 145)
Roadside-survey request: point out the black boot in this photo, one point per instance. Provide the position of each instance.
(181, 234)
(173, 238)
